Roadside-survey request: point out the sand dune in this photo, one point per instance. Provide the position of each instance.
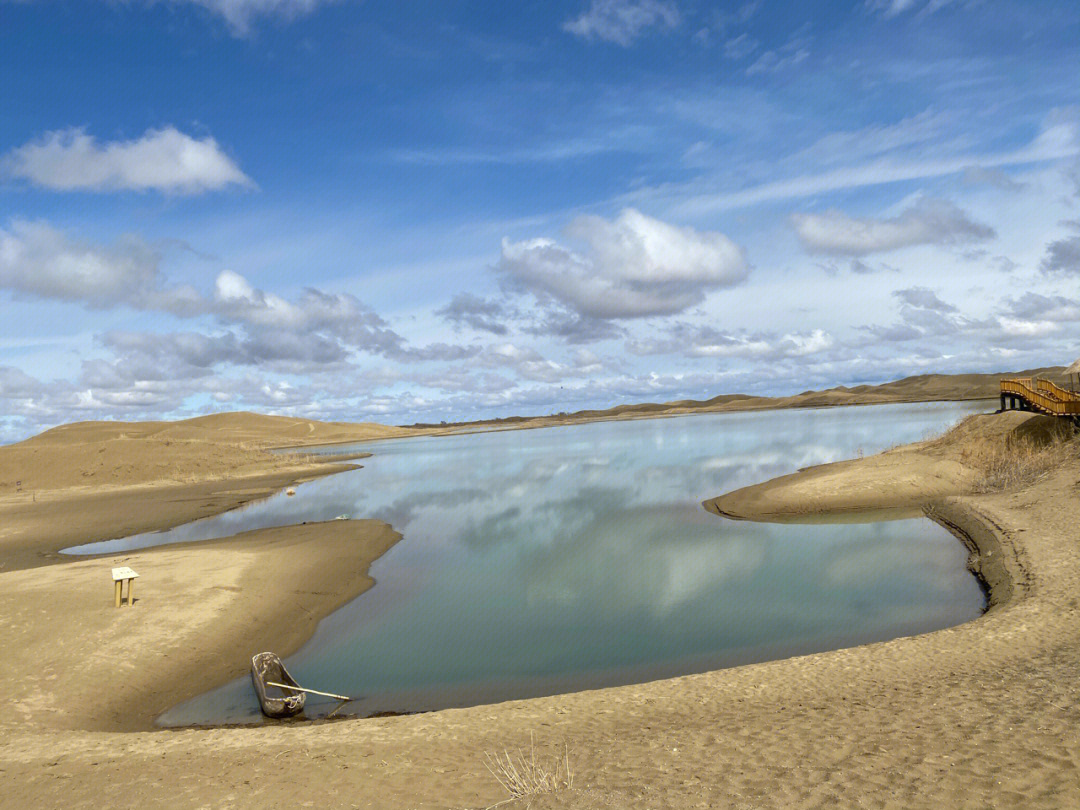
(96, 454)
(912, 475)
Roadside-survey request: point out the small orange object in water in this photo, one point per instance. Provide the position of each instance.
(290, 491)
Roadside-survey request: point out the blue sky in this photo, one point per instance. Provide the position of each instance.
(418, 211)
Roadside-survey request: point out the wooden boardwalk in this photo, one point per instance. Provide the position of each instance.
(1041, 396)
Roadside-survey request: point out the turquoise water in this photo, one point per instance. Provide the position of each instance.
(541, 561)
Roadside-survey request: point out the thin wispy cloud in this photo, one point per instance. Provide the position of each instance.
(895, 8)
(622, 21)
(240, 15)
(1060, 139)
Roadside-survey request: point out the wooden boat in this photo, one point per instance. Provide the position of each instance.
(276, 701)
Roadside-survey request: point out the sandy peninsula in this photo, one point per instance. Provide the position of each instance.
(986, 714)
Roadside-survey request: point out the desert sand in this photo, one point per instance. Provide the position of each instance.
(985, 714)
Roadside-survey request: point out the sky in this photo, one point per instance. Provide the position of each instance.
(425, 211)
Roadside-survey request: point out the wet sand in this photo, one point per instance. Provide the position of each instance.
(985, 714)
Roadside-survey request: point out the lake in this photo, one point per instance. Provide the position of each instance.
(540, 561)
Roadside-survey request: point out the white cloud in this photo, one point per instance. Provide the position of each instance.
(239, 14)
(874, 140)
(39, 260)
(1059, 138)
(1018, 328)
(483, 315)
(791, 54)
(635, 266)
(161, 160)
(1034, 307)
(926, 222)
(765, 348)
(622, 21)
(1063, 256)
(705, 341)
(36, 259)
(923, 298)
(740, 46)
(894, 8)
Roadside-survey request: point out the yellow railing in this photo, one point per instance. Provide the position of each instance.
(1056, 391)
(1043, 395)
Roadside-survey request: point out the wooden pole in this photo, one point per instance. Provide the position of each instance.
(131, 592)
(118, 585)
(312, 691)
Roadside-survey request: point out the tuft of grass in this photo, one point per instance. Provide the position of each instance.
(1016, 461)
(523, 775)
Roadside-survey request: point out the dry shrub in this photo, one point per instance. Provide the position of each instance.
(1019, 458)
(522, 775)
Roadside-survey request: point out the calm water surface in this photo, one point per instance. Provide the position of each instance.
(541, 561)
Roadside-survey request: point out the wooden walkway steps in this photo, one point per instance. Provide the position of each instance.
(1040, 396)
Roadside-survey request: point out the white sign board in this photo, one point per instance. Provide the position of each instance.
(123, 573)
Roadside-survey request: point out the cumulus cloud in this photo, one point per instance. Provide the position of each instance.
(316, 327)
(634, 266)
(1032, 306)
(926, 222)
(924, 315)
(527, 363)
(481, 314)
(705, 341)
(1062, 256)
(16, 383)
(622, 21)
(161, 160)
(573, 327)
(37, 259)
(339, 317)
(923, 298)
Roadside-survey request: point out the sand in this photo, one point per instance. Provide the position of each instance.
(985, 714)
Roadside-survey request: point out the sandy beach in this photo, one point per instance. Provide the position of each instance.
(980, 715)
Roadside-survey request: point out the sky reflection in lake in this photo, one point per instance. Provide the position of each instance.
(546, 560)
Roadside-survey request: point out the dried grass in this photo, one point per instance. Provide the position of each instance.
(522, 775)
(1015, 460)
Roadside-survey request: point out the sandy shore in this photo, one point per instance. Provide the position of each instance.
(981, 715)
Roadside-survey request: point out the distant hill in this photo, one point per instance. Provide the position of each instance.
(237, 427)
(921, 388)
(92, 454)
(226, 445)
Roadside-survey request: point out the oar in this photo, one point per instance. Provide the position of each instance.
(312, 691)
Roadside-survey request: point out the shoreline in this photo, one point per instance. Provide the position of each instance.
(979, 714)
(31, 537)
(266, 588)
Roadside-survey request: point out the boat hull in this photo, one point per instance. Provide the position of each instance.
(275, 701)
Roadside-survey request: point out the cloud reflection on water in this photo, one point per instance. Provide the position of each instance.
(550, 559)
